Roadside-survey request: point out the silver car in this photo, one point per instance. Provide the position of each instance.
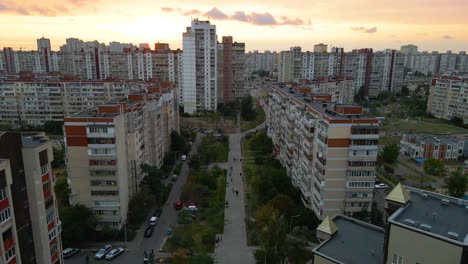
(102, 252)
(114, 253)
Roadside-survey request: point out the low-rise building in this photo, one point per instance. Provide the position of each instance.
(422, 227)
(328, 149)
(442, 147)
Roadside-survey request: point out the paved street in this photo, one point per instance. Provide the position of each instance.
(141, 244)
(233, 247)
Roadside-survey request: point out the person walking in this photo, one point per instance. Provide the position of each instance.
(87, 259)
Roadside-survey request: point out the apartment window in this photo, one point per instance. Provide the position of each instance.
(44, 169)
(53, 250)
(98, 129)
(106, 203)
(3, 193)
(52, 234)
(101, 140)
(104, 151)
(105, 183)
(102, 162)
(102, 172)
(10, 253)
(397, 259)
(105, 212)
(360, 184)
(45, 187)
(104, 193)
(5, 215)
(108, 223)
(50, 216)
(361, 173)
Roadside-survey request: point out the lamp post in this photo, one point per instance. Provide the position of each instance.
(290, 222)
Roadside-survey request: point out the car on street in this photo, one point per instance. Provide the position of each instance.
(102, 252)
(157, 212)
(149, 231)
(68, 252)
(174, 178)
(178, 205)
(114, 253)
(153, 221)
(381, 186)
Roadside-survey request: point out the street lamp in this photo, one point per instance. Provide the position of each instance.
(290, 222)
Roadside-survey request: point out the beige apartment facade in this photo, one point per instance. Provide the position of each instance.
(329, 150)
(108, 145)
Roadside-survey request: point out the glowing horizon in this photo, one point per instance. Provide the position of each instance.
(263, 25)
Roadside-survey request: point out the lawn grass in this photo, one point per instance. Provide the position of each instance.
(422, 125)
(389, 140)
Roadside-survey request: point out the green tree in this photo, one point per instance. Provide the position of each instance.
(376, 216)
(53, 127)
(297, 253)
(195, 162)
(178, 142)
(363, 215)
(272, 237)
(390, 153)
(435, 167)
(457, 121)
(202, 258)
(283, 204)
(247, 108)
(138, 207)
(62, 191)
(405, 91)
(59, 157)
(360, 96)
(78, 224)
(180, 257)
(457, 183)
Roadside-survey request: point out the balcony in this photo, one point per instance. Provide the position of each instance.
(322, 138)
(8, 243)
(321, 159)
(363, 147)
(4, 204)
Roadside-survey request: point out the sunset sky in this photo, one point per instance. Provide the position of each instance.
(261, 24)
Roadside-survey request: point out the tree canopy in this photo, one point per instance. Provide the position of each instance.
(247, 109)
(457, 183)
(435, 167)
(390, 153)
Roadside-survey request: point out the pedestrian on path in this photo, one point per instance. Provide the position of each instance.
(231, 179)
(232, 189)
(87, 259)
(237, 192)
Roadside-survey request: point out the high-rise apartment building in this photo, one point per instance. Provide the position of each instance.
(231, 65)
(376, 72)
(199, 67)
(34, 100)
(448, 97)
(255, 61)
(337, 89)
(319, 48)
(108, 145)
(33, 207)
(328, 149)
(409, 51)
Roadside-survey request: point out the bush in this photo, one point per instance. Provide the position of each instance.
(208, 237)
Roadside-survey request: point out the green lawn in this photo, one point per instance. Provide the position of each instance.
(423, 125)
(389, 140)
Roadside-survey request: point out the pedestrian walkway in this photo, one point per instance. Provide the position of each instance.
(233, 246)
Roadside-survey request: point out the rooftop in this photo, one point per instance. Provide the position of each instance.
(33, 139)
(431, 138)
(354, 242)
(434, 214)
(326, 108)
(92, 112)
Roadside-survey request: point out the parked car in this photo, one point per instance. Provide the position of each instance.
(381, 186)
(149, 231)
(68, 252)
(174, 178)
(102, 252)
(178, 205)
(114, 253)
(153, 221)
(157, 212)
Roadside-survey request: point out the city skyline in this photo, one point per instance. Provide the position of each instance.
(431, 25)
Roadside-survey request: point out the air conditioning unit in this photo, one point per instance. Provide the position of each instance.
(445, 201)
(425, 227)
(452, 235)
(410, 222)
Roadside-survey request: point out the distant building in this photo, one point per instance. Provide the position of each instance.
(319, 48)
(422, 227)
(255, 61)
(33, 100)
(199, 68)
(441, 147)
(231, 67)
(33, 235)
(448, 96)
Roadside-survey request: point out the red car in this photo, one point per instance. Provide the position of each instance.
(178, 205)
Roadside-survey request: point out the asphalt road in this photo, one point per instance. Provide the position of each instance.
(140, 244)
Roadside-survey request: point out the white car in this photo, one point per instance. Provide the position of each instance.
(68, 252)
(114, 253)
(102, 252)
(381, 186)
